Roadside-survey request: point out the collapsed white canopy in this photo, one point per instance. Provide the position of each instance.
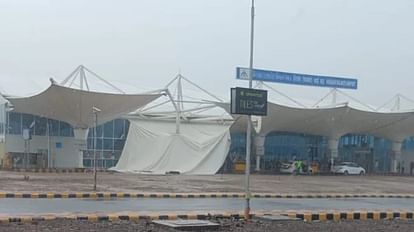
(75, 106)
(153, 147)
(333, 122)
(2, 100)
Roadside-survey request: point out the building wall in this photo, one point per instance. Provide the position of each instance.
(110, 138)
(64, 151)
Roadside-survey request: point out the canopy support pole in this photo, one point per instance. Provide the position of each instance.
(177, 118)
(103, 80)
(199, 87)
(354, 99)
(70, 76)
(180, 94)
(334, 96)
(284, 95)
(81, 77)
(397, 103)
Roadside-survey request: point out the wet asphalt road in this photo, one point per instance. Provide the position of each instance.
(13, 206)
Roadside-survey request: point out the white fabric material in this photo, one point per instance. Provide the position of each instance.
(153, 147)
(74, 106)
(331, 122)
(2, 99)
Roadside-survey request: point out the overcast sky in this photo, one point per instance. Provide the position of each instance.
(144, 43)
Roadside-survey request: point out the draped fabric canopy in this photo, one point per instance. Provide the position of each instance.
(154, 147)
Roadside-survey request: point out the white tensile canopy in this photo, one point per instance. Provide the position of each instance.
(332, 122)
(154, 147)
(74, 106)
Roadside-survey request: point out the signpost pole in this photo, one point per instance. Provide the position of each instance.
(94, 151)
(95, 111)
(249, 125)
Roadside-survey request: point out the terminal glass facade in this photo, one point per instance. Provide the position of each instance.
(110, 140)
(38, 125)
(110, 136)
(371, 152)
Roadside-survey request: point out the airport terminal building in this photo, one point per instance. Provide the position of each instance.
(56, 129)
(58, 137)
(373, 153)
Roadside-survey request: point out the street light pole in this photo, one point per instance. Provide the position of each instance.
(8, 107)
(249, 124)
(95, 111)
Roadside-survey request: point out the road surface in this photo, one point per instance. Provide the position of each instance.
(12, 206)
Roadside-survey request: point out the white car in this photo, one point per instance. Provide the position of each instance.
(348, 168)
(287, 168)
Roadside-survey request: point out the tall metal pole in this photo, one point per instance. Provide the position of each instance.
(249, 125)
(94, 151)
(179, 106)
(334, 96)
(6, 130)
(48, 142)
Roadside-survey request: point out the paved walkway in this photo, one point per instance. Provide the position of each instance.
(107, 182)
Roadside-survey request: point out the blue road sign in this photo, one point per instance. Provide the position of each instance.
(297, 79)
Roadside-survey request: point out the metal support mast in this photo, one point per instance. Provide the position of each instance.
(334, 96)
(95, 172)
(249, 124)
(95, 112)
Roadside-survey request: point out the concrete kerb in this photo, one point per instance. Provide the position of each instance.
(54, 170)
(307, 216)
(111, 195)
(98, 217)
(350, 215)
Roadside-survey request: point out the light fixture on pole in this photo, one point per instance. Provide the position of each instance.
(95, 111)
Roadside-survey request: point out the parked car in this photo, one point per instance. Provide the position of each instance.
(349, 168)
(288, 167)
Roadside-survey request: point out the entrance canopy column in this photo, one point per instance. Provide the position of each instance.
(333, 143)
(259, 141)
(396, 150)
(81, 136)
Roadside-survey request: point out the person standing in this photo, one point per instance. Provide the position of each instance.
(295, 167)
(300, 166)
(411, 167)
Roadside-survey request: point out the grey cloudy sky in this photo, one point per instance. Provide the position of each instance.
(145, 43)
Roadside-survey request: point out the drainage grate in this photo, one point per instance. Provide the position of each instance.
(189, 225)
